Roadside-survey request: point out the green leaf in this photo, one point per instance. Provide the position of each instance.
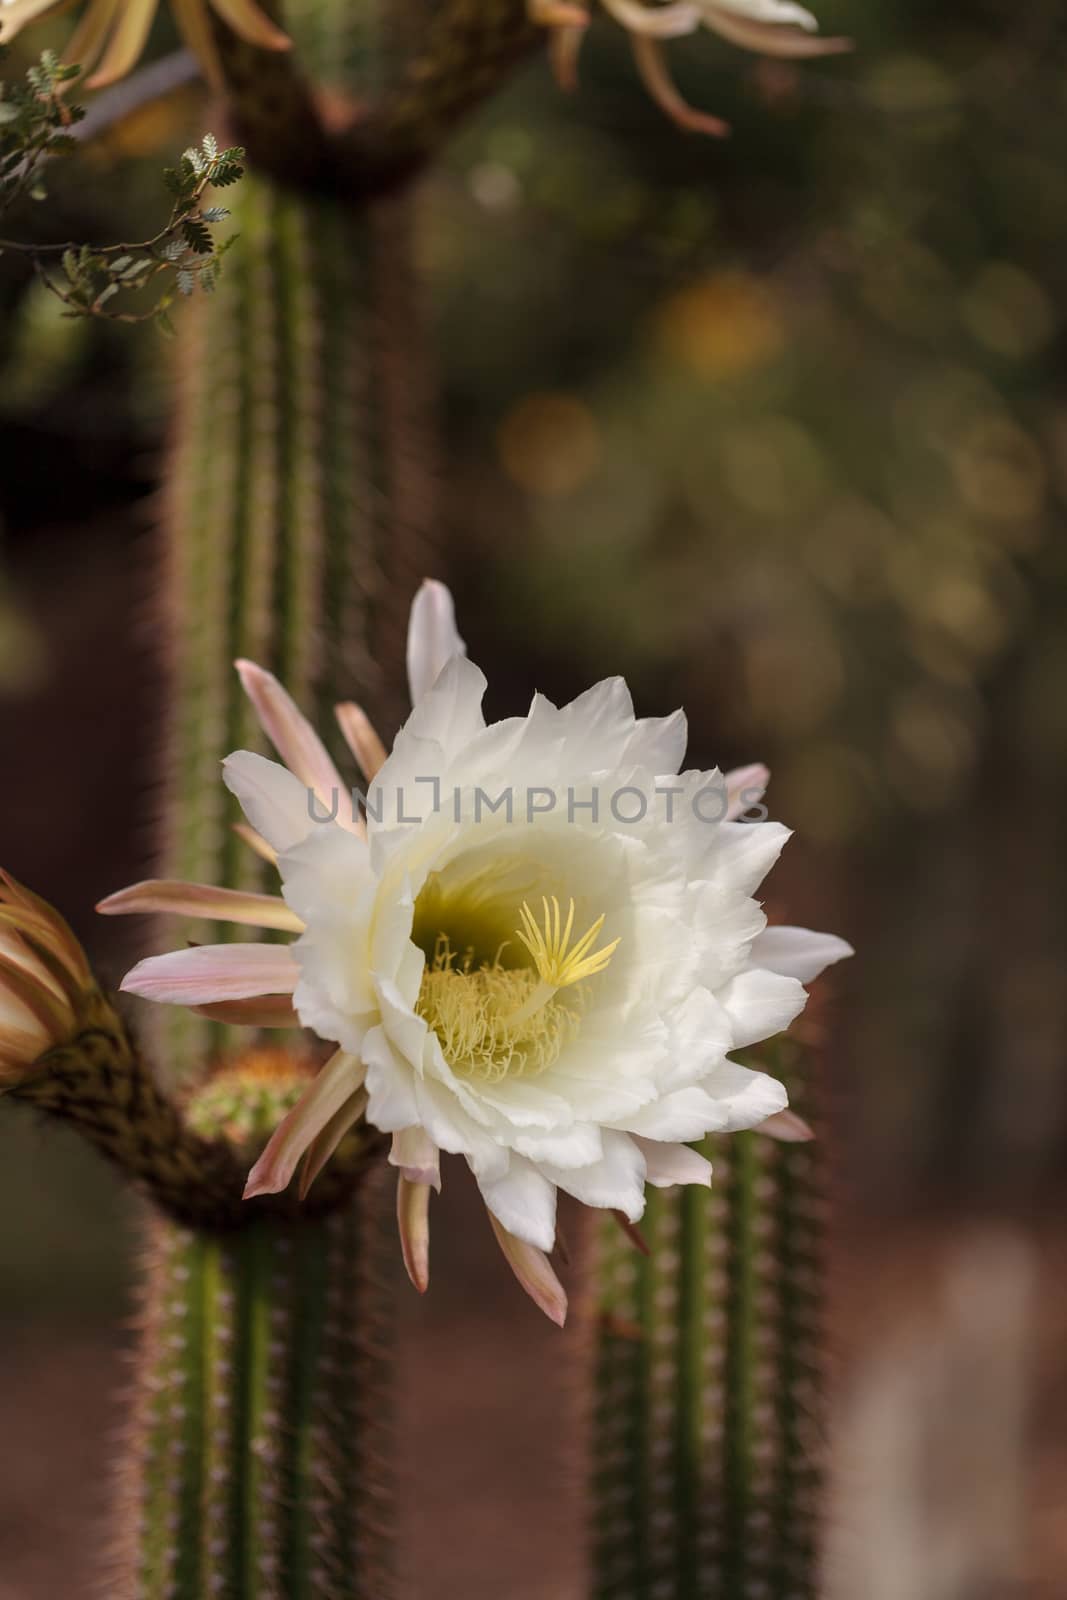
(197, 237)
(225, 173)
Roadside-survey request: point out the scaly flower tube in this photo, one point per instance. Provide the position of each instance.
(768, 27)
(112, 34)
(534, 944)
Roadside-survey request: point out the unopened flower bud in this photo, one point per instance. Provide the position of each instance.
(45, 981)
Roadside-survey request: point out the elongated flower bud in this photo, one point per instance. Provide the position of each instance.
(45, 981)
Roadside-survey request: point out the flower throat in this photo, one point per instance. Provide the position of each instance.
(495, 1021)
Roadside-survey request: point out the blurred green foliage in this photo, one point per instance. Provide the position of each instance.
(786, 410)
(780, 430)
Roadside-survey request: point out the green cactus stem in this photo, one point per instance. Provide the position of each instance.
(412, 76)
(294, 533)
(297, 499)
(256, 1462)
(185, 1157)
(706, 1470)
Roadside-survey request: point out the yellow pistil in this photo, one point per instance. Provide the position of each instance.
(558, 962)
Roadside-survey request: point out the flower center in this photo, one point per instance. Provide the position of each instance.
(495, 1021)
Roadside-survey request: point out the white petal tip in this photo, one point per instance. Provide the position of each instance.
(787, 1127)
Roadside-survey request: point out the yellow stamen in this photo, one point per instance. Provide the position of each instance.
(494, 1021)
(475, 1013)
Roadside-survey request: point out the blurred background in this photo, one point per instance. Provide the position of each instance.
(776, 427)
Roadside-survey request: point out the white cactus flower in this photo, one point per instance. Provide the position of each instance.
(538, 951)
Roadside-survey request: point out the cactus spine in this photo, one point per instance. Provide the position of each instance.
(706, 1429)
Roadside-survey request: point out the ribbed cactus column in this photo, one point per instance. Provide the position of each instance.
(293, 521)
(706, 1432)
(296, 504)
(256, 1463)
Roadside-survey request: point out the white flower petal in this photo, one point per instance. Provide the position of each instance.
(760, 1004)
(745, 787)
(443, 724)
(275, 803)
(296, 740)
(577, 1146)
(391, 1103)
(797, 952)
(668, 1164)
(433, 638)
(597, 727)
(744, 1098)
(658, 743)
(452, 1128)
(786, 1126)
(616, 1181)
(524, 1201)
(680, 1116)
(740, 854)
(212, 972)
